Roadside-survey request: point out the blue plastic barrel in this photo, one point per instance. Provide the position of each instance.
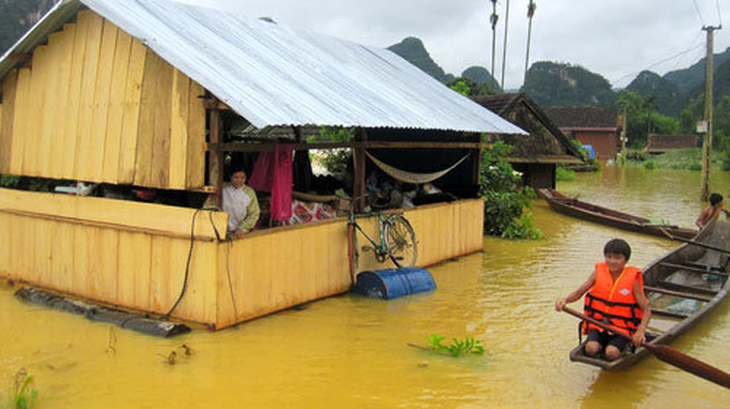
(393, 283)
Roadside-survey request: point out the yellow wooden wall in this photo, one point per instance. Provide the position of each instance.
(97, 105)
(121, 253)
(134, 255)
(273, 270)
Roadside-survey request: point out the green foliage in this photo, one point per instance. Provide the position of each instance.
(650, 164)
(467, 346)
(24, 394)
(565, 175)
(335, 160)
(695, 166)
(642, 118)
(460, 87)
(504, 200)
(636, 155)
(468, 87)
(11, 181)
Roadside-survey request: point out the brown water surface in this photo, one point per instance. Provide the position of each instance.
(352, 352)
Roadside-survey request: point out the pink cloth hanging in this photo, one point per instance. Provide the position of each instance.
(273, 173)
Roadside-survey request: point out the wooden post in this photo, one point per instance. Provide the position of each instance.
(215, 158)
(476, 157)
(707, 145)
(358, 188)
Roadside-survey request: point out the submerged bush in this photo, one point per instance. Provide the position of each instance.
(564, 174)
(649, 164)
(505, 201)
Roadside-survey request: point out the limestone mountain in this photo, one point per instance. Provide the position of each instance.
(17, 17)
(669, 101)
(551, 83)
(481, 75)
(413, 51)
(689, 79)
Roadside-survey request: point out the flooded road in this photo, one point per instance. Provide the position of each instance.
(352, 352)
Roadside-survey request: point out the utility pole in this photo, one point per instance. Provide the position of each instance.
(504, 48)
(707, 144)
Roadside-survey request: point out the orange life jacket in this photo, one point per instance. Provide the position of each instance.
(614, 301)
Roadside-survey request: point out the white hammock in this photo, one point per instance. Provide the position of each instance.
(412, 177)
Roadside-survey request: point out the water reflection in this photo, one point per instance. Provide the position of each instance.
(353, 352)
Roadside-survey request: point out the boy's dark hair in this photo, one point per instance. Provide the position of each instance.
(715, 198)
(618, 246)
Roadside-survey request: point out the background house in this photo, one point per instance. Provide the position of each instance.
(659, 143)
(595, 126)
(538, 154)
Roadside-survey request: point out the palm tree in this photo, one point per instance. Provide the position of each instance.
(530, 12)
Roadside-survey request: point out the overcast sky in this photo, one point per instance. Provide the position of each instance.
(614, 38)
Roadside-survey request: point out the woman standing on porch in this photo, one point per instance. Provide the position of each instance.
(241, 204)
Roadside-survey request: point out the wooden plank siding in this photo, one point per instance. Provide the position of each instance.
(6, 126)
(97, 105)
(135, 255)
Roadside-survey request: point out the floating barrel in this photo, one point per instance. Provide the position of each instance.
(394, 283)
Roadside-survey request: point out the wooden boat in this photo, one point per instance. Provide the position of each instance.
(587, 211)
(682, 286)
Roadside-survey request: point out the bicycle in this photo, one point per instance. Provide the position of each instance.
(397, 240)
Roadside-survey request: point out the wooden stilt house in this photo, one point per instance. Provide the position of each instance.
(133, 94)
(537, 156)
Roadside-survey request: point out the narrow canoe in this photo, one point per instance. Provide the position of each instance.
(682, 286)
(602, 215)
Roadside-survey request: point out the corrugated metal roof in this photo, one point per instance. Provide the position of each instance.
(275, 75)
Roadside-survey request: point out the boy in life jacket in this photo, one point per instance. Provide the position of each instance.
(616, 296)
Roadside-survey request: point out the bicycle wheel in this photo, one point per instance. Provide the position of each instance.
(400, 241)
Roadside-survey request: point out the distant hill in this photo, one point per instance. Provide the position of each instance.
(562, 84)
(720, 82)
(668, 99)
(689, 79)
(413, 51)
(481, 75)
(17, 17)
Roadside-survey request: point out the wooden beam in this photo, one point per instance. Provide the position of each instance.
(663, 313)
(358, 156)
(693, 269)
(688, 288)
(680, 294)
(215, 158)
(269, 147)
(214, 103)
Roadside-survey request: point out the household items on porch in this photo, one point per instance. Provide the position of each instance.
(273, 173)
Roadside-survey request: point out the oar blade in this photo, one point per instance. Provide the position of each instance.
(689, 364)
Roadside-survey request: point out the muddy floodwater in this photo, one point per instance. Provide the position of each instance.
(353, 352)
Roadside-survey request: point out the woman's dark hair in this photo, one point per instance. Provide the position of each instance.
(618, 246)
(715, 198)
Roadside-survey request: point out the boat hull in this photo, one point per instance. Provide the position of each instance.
(586, 211)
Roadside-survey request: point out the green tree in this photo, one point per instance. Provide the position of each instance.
(643, 118)
(506, 204)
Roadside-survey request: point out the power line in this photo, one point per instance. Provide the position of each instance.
(719, 15)
(633, 74)
(699, 14)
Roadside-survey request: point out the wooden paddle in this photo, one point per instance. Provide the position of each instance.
(694, 243)
(667, 354)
